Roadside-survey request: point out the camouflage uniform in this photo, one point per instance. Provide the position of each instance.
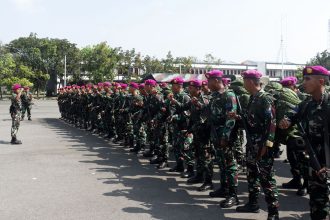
(222, 127)
(201, 140)
(179, 122)
(310, 114)
(26, 104)
(15, 113)
(261, 126)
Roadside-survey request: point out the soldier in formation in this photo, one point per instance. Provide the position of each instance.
(203, 127)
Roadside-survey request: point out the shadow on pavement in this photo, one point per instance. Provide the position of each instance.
(159, 193)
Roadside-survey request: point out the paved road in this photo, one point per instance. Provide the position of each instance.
(61, 172)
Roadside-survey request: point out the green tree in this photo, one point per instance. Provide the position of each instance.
(99, 62)
(322, 59)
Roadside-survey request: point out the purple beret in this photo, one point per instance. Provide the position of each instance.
(83, 87)
(315, 70)
(252, 74)
(141, 86)
(100, 84)
(289, 81)
(123, 85)
(214, 74)
(195, 83)
(108, 84)
(16, 86)
(150, 82)
(177, 80)
(134, 85)
(89, 85)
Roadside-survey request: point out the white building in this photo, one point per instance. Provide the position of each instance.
(271, 69)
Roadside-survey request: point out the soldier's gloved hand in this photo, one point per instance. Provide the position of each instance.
(323, 172)
(285, 123)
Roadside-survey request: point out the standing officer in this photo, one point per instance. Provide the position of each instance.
(260, 124)
(178, 99)
(222, 133)
(15, 112)
(313, 114)
(26, 103)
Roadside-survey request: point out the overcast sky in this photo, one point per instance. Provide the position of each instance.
(232, 30)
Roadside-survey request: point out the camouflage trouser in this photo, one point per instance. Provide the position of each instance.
(228, 169)
(238, 148)
(297, 159)
(204, 159)
(16, 120)
(187, 151)
(161, 140)
(140, 134)
(26, 108)
(178, 143)
(319, 197)
(262, 173)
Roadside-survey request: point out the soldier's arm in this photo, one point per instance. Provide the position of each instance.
(269, 123)
(231, 107)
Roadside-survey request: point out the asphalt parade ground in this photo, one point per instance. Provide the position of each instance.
(62, 172)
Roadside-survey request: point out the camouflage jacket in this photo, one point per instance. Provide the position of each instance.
(219, 107)
(311, 115)
(261, 119)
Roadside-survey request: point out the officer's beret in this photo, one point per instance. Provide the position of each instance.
(315, 70)
(289, 81)
(141, 86)
(252, 74)
(150, 82)
(134, 85)
(177, 80)
(214, 74)
(16, 86)
(108, 84)
(195, 83)
(123, 86)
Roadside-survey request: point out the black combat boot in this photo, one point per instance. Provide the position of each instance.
(219, 193)
(178, 168)
(189, 173)
(250, 207)
(196, 179)
(136, 148)
(162, 164)
(273, 214)
(231, 199)
(302, 191)
(295, 183)
(15, 141)
(156, 160)
(207, 185)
